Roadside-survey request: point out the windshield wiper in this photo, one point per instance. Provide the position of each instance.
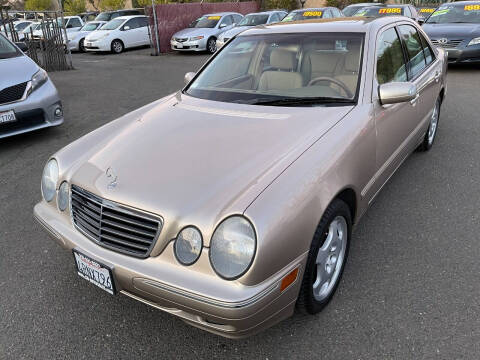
(294, 101)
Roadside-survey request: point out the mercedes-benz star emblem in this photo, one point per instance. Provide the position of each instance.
(112, 177)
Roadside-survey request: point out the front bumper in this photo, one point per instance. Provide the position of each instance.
(222, 307)
(99, 45)
(73, 45)
(196, 45)
(464, 54)
(33, 113)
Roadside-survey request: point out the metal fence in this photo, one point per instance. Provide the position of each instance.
(46, 41)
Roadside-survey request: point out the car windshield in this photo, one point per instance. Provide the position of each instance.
(456, 13)
(378, 11)
(21, 26)
(283, 69)
(209, 21)
(104, 17)
(89, 27)
(7, 49)
(253, 20)
(303, 15)
(112, 25)
(351, 9)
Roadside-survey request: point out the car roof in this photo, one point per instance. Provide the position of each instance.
(366, 4)
(127, 17)
(265, 12)
(310, 9)
(221, 14)
(345, 24)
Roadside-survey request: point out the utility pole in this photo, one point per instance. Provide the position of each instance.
(157, 49)
(69, 53)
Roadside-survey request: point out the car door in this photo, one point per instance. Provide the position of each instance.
(394, 122)
(143, 37)
(128, 34)
(226, 23)
(423, 68)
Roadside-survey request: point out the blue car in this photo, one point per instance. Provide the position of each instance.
(456, 28)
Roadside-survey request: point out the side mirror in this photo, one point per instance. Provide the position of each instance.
(125, 28)
(188, 77)
(222, 26)
(69, 26)
(22, 46)
(396, 92)
(421, 21)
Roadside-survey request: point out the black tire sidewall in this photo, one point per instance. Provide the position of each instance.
(306, 301)
(81, 46)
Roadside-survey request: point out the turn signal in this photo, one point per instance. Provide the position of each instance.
(289, 279)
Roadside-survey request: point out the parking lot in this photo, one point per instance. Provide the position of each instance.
(410, 288)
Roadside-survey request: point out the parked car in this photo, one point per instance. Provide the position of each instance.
(390, 10)
(72, 23)
(424, 12)
(350, 10)
(253, 19)
(76, 41)
(455, 27)
(28, 99)
(203, 33)
(18, 27)
(271, 155)
(119, 34)
(313, 13)
(88, 16)
(110, 15)
(28, 31)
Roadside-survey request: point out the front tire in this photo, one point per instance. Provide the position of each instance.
(326, 259)
(81, 45)
(117, 47)
(212, 45)
(432, 127)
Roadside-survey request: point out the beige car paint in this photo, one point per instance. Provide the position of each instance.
(195, 162)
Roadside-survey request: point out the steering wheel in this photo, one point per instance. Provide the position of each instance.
(333, 81)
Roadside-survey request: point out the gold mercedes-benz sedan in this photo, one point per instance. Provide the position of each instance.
(231, 203)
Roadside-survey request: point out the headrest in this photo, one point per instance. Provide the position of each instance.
(353, 56)
(282, 59)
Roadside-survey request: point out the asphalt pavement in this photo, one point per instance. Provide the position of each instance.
(410, 289)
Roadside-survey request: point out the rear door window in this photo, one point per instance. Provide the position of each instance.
(416, 58)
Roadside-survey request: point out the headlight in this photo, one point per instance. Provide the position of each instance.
(232, 247)
(196, 38)
(49, 180)
(474, 41)
(63, 196)
(38, 79)
(188, 245)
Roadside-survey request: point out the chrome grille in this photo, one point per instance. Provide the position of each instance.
(12, 93)
(450, 44)
(112, 225)
(181, 39)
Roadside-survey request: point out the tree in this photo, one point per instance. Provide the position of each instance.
(74, 7)
(38, 5)
(111, 4)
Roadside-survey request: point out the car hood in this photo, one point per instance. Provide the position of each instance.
(236, 30)
(192, 32)
(16, 70)
(450, 31)
(195, 161)
(95, 35)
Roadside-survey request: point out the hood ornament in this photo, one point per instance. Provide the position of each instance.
(112, 177)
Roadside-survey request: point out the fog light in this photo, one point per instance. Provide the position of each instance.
(58, 112)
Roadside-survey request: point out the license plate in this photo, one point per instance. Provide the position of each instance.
(88, 44)
(7, 116)
(95, 272)
(180, 46)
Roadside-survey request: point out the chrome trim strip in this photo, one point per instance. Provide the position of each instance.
(210, 301)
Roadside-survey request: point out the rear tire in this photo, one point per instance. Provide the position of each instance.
(429, 138)
(117, 46)
(326, 259)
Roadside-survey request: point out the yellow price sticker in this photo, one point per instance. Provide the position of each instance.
(312, 13)
(472, 7)
(214, 17)
(427, 10)
(390, 11)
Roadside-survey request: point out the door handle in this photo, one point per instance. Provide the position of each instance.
(414, 100)
(437, 76)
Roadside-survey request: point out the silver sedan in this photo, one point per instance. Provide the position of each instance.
(76, 39)
(28, 99)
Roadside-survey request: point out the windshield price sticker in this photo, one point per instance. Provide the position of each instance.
(472, 7)
(390, 11)
(312, 13)
(440, 12)
(427, 10)
(214, 18)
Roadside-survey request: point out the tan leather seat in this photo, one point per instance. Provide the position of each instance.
(320, 63)
(284, 77)
(349, 75)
